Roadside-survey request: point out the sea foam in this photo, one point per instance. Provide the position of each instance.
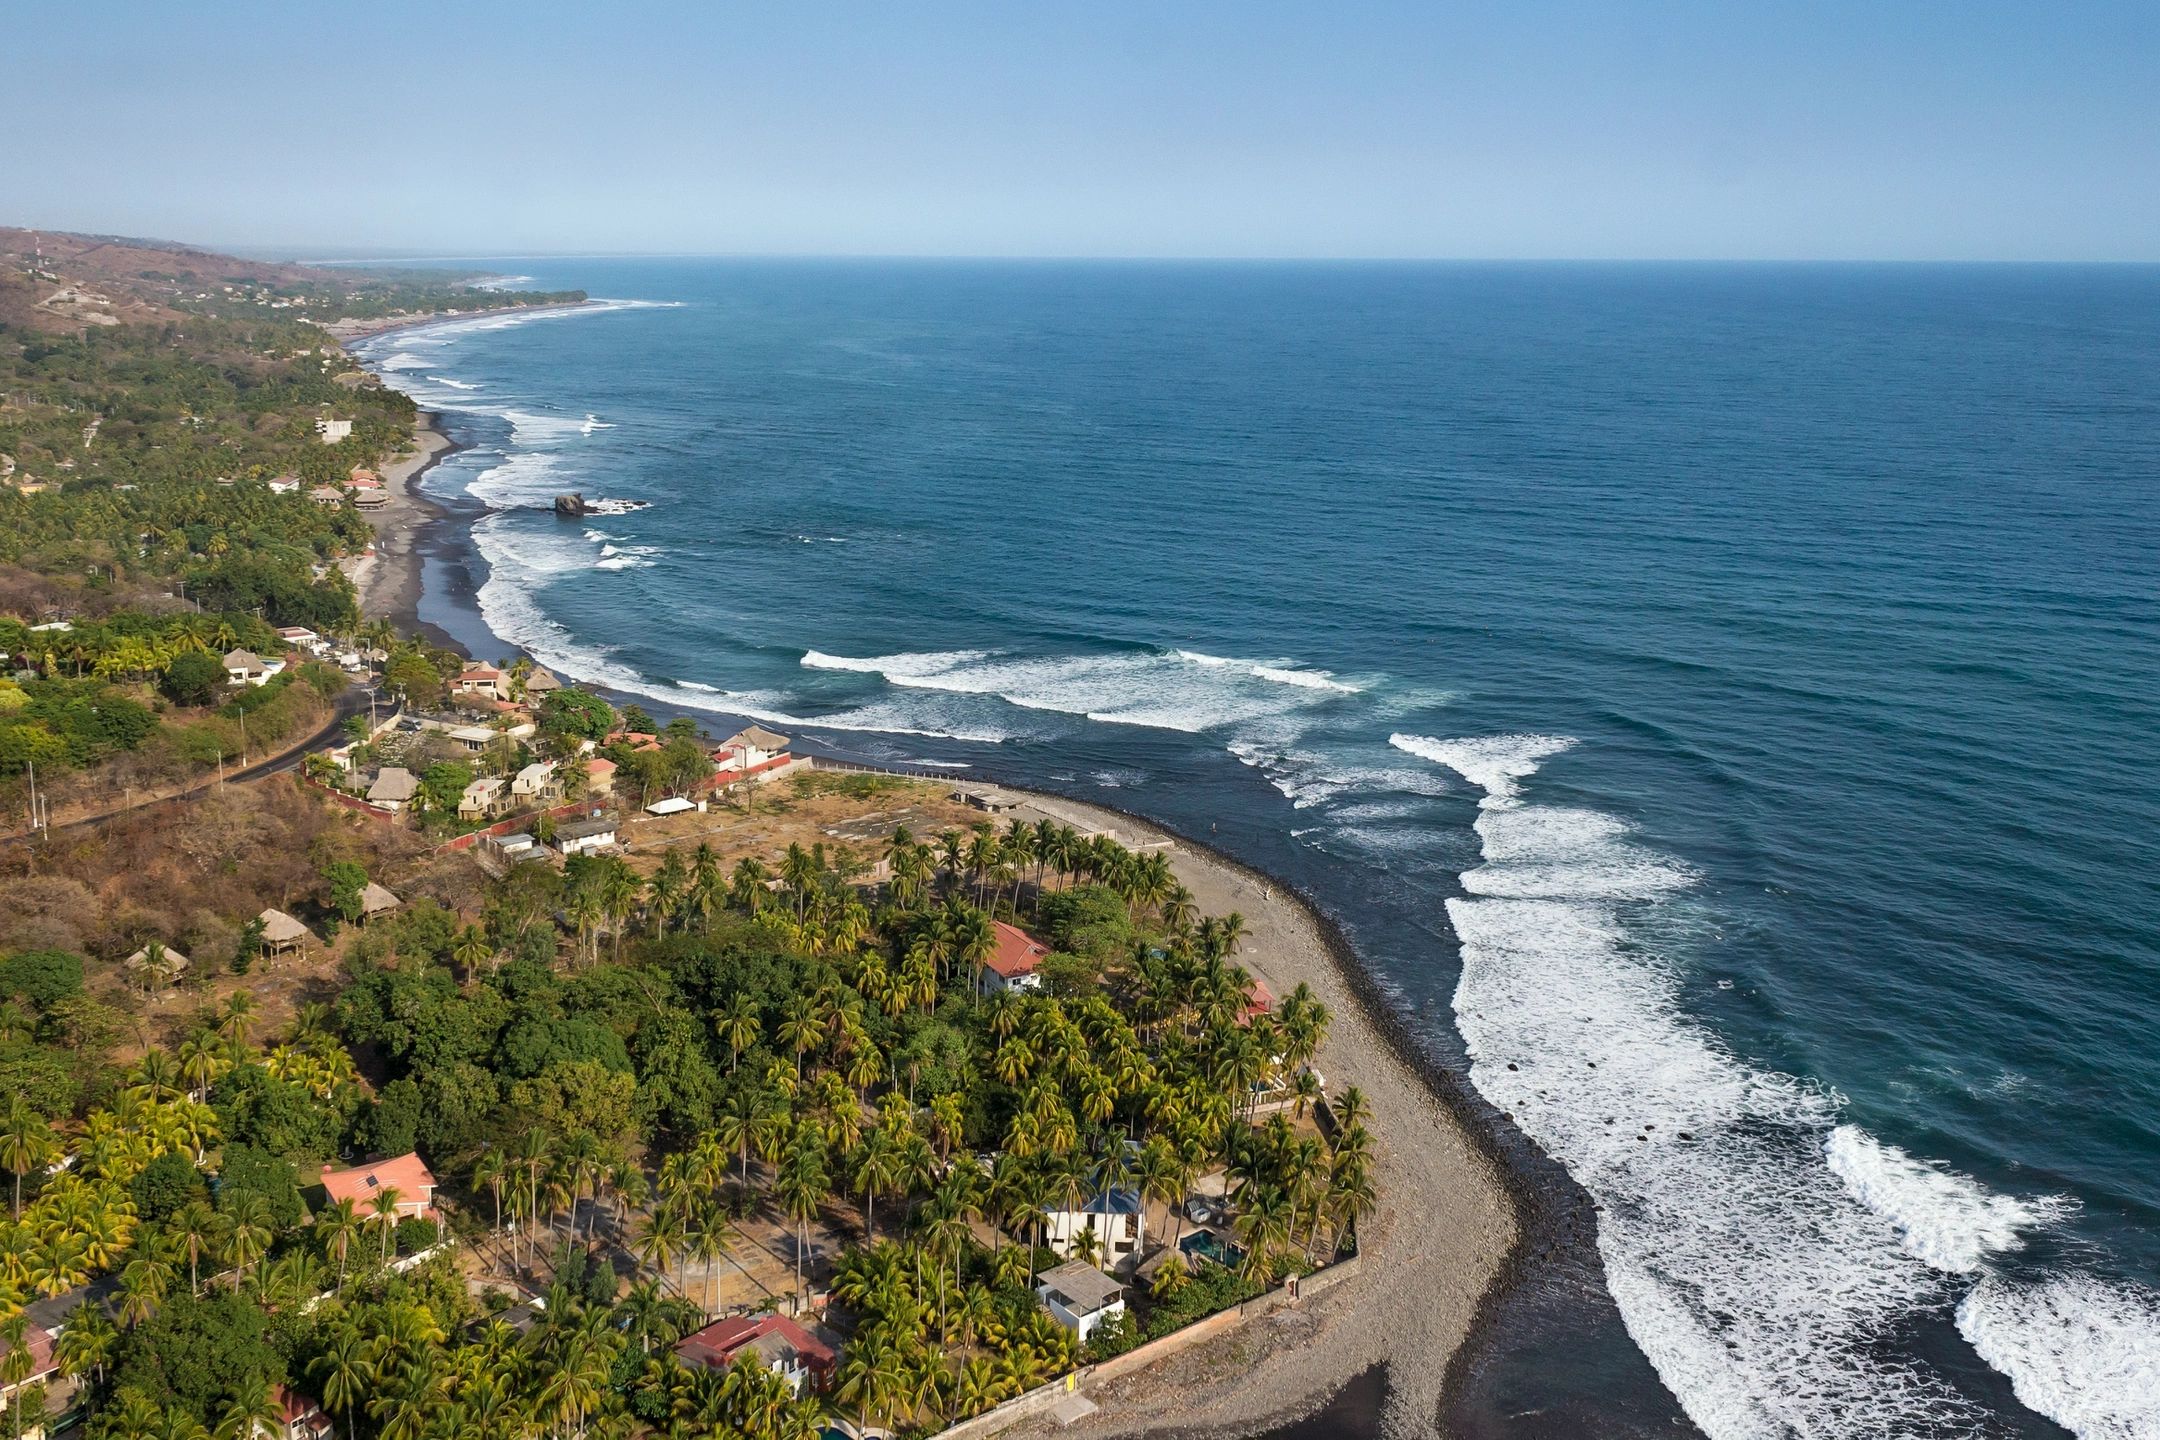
(1949, 1220)
(2082, 1351)
(1762, 1254)
(1169, 690)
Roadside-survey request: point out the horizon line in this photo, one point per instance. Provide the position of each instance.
(293, 256)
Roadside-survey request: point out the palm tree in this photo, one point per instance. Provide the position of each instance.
(739, 1025)
(871, 1374)
(346, 1373)
(662, 1237)
(802, 1189)
(26, 1144)
(472, 949)
(250, 1411)
(875, 1166)
(194, 1229)
(86, 1341)
(339, 1225)
(247, 1229)
(384, 1203)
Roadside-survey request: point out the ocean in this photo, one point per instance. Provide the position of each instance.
(1720, 704)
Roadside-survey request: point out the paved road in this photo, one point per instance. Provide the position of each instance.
(351, 701)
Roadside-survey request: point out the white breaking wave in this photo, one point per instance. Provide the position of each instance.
(1760, 1260)
(404, 361)
(1169, 691)
(523, 561)
(1493, 763)
(1305, 679)
(2082, 1352)
(446, 380)
(1949, 1220)
(1307, 777)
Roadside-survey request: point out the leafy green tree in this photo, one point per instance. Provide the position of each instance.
(575, 714)
(346, 879)
(194, 677)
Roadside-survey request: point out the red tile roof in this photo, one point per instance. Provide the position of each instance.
(1258, 1001)
(720, 1342)
(408, 1172)
(1016, 954)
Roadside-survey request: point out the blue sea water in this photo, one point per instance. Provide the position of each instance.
(1720, 704)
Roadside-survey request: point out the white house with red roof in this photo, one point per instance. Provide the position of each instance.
(483, 680)
(408, 1174)
(1015, 964)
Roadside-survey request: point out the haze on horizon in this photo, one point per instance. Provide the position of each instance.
(1504, 129)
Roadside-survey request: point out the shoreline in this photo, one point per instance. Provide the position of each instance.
(389, 583)
(1452, 1222)
(345, 331)
(1539, 1226)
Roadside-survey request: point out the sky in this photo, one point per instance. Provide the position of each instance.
(1752, 129)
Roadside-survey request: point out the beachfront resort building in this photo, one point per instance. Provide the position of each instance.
(774, 1341)
(1106, 1227)
(1080, 1297)
(1014, 965)
(365, 1186)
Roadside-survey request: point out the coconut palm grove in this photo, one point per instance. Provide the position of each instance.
(639, 1096)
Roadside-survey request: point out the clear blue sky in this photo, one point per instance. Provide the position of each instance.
(1746, 129)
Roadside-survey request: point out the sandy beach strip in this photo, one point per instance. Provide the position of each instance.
(1439, 1240)
(388, 582)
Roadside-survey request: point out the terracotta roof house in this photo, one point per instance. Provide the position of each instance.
(1015, 964)
(42, 1364)
(482, 680)
(408, 1174)
(1259, 1000)
(774, 1341)
(300, 1417)
(600, 775)
(282, 933)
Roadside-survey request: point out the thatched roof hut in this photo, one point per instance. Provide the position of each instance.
(282, 933)
(374, 901)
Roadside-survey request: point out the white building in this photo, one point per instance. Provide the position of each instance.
(533, 782)
(1080, 1297)
(245, 667)
(333, 431)
(1111, 1216)
(582, 837)
(748, 749)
